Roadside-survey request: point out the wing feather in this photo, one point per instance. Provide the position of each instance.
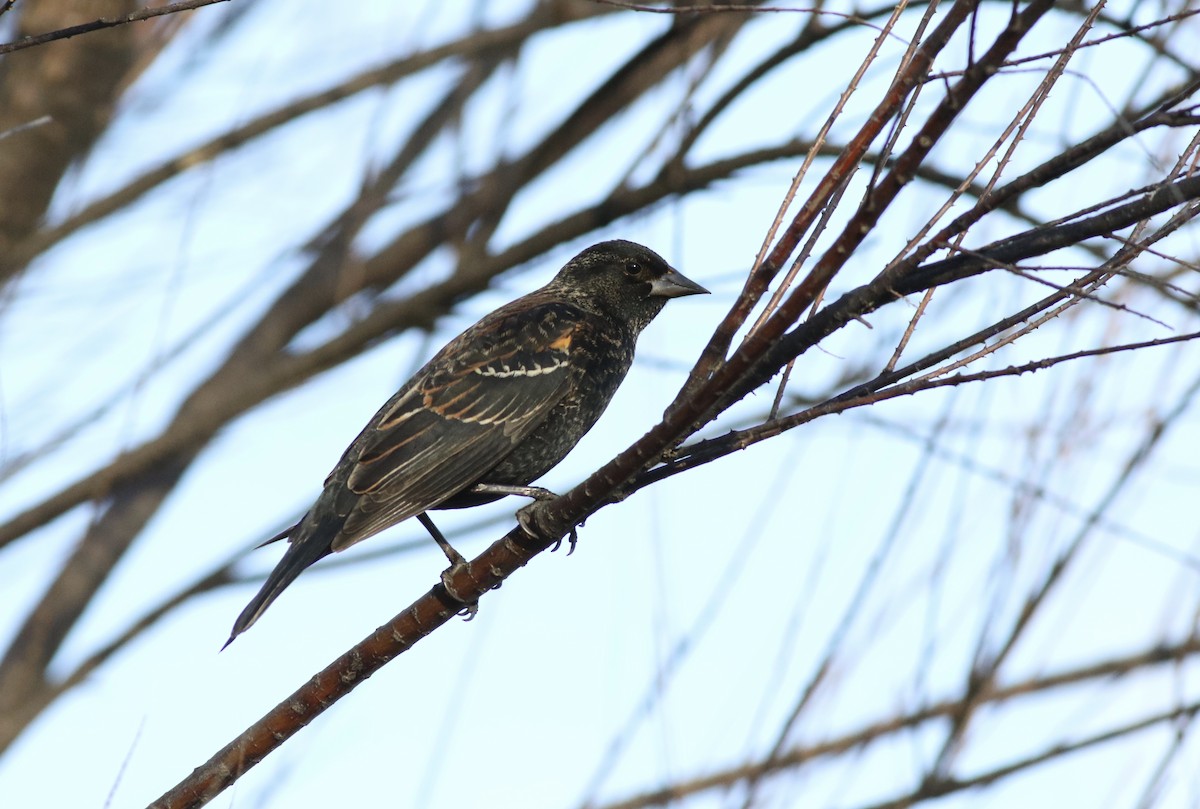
(458, 418)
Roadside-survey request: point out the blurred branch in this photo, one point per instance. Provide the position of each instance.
(224, 574)
(74, 89)
(386, 318)
(937, 787)
(132, 501)
(25, 127)
(808, 754)
(500, 42)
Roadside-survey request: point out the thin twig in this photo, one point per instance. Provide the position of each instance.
(102, 23)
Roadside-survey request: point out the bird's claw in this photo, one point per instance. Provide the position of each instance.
(526, 518)
(470, 607)
(572, 539)
(527, 515)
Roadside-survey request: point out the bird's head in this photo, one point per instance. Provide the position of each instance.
(625, 280)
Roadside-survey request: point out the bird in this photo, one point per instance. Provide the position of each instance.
(495, 409)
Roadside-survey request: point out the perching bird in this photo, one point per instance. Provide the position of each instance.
(499, 405)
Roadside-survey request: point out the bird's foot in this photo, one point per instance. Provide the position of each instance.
(527, 519)
(470, 608)
(525, 515)
(458, 563)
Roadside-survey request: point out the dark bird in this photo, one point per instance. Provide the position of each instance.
(496, 408)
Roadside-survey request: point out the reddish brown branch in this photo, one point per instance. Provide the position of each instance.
(707, 451)
(870, 297)
(486, 572)
(913, 73)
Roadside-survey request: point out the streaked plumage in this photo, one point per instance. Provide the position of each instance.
(502, 403)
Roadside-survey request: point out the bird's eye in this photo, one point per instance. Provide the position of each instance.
(633, 268)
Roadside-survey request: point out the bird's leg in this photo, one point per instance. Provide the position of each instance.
(457, 560)
(535, 492)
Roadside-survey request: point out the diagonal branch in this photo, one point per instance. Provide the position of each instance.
(104, 22)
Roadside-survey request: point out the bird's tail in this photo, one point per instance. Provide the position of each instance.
(304, 550)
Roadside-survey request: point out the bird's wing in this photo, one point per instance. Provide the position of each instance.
(465, 412)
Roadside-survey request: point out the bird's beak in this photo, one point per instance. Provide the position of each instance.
(675, 284)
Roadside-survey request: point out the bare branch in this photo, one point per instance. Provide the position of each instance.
(104, 22)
